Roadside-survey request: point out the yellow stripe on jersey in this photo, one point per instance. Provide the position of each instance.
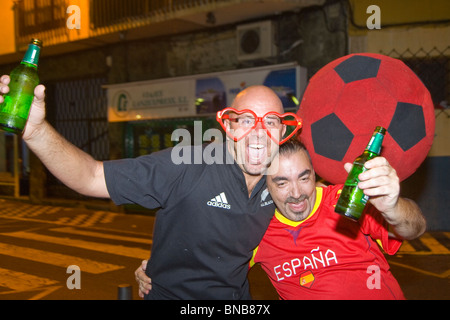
(283, 219)
(379, 243)
(252, 260)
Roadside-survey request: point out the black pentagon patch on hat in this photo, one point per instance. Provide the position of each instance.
(358, 68)
(407, 126)
(331, 138)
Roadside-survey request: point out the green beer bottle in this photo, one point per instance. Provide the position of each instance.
(352, 200)
(24, 78)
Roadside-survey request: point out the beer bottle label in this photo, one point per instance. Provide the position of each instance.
(364, 199)
(32, 55)
(375, 143)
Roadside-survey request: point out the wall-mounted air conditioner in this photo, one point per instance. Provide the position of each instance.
(255, 41)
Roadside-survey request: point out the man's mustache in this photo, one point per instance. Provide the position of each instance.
(296, 200)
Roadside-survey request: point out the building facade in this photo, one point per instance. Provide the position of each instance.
(90, 45)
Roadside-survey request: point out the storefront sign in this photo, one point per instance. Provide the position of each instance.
(201, 94)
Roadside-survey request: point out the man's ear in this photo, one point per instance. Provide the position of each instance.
(227, 123)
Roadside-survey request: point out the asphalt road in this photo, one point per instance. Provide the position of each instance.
(41, 246)
(39, 243)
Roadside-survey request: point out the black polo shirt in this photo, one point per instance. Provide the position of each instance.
(207, 225)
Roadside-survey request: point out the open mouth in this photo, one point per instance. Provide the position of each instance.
(297, 206)
(256, 153)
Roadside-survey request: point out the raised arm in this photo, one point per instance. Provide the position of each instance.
(72, 166)
(382, 184)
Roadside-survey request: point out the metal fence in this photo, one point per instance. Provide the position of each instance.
(45, 15)
(432, 67)
(78, 110)
(110, 12)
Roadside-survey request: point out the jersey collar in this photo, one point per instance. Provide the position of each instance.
(291, 223)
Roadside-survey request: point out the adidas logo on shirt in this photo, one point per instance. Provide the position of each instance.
(219, 201)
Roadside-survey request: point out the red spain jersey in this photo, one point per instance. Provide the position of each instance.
(327, 256)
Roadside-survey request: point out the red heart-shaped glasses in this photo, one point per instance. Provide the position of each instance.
(247, 121)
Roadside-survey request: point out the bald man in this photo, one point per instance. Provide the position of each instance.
(212, 215)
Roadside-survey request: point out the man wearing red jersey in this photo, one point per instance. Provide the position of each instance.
(311, 252)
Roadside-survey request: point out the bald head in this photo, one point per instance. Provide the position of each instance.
(259, 99)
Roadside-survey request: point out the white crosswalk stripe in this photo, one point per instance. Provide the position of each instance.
(89, 245)
(56, 259)
(17, 280)
(427, 244)
(10, 279)
(25, 211)
(70, 230)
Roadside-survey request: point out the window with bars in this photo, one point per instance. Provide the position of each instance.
(109, 12)
(40, 15)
